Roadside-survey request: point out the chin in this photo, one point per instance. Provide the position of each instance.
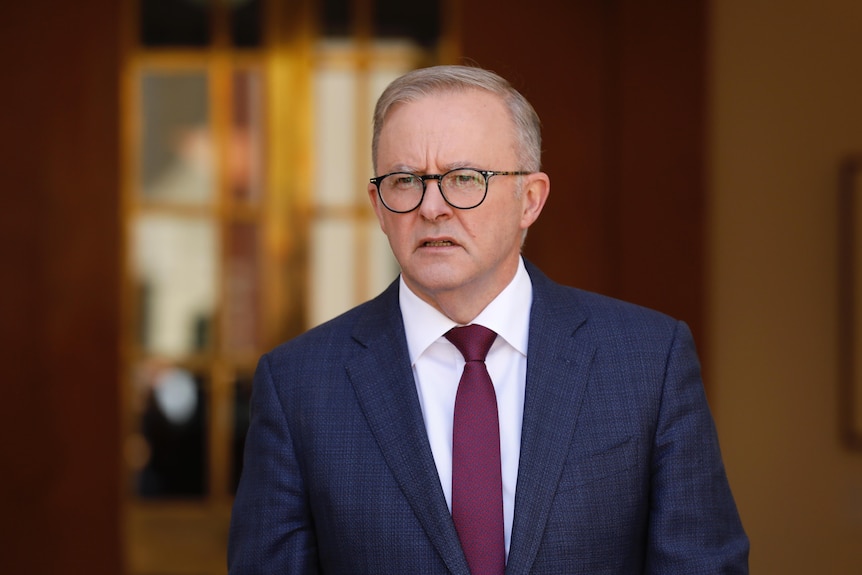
(433, 279)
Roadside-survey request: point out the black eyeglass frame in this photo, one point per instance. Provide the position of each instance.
(439, 177)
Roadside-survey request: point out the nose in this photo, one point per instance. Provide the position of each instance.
(433, 204)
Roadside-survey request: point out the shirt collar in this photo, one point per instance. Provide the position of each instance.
(508, 314)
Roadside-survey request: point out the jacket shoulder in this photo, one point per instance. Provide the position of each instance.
(340, 335)
(600, 313)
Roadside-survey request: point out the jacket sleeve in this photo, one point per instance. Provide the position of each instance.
(271, 529)
(694, 527)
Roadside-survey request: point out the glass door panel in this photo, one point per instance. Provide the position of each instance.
(241, 406)
(382, 267)
(246, 146)
(242, 333)
(176, 148)
(335, 135)
(176, 267)
(173, 428)
(332, 269)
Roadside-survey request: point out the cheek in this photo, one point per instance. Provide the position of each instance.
(484, 239)
(496, 226)
(381, 217)
(393, 225)
(395, 229)
(382, 223)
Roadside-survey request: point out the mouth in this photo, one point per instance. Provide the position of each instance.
(437, 244)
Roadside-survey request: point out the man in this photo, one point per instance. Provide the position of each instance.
(603, 456)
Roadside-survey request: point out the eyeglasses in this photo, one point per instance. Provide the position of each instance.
(462, 188)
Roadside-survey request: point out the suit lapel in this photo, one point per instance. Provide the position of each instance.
(383, 379)
(558, 363)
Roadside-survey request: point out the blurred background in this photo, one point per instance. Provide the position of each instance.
(183, 187)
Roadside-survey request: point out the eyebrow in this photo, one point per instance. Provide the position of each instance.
(446, 168)
(457, 165)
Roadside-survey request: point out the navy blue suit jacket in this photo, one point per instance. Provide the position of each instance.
(620, 470)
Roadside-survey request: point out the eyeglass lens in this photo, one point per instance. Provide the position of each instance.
(462, 188)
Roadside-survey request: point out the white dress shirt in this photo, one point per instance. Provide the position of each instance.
(437, 366)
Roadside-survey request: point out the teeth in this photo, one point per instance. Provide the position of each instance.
(438, 243)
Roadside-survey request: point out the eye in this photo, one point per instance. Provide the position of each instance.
(465, 179)
(404, 180)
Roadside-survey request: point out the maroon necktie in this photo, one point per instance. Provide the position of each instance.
(477, 483)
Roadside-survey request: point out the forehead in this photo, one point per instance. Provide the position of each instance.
(460, 126)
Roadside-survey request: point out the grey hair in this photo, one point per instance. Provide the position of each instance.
(440, 79)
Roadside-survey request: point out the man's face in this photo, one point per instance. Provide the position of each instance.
(451, 257)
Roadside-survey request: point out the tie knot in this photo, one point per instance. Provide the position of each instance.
(473, 341)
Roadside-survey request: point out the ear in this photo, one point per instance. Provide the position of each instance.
(533, 197)
(376, 204)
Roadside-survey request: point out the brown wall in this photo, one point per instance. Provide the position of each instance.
(620, 87)
(59, 304)
(787, 108)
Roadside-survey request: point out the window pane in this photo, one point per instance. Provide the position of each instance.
(175, 22)
(242, 287)
(332, 269)
(335, 138)
(176, 263)
(247, 137)
(245, 23)
(172, 453)
(383, 268)
(241, 406)
(177, 149)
